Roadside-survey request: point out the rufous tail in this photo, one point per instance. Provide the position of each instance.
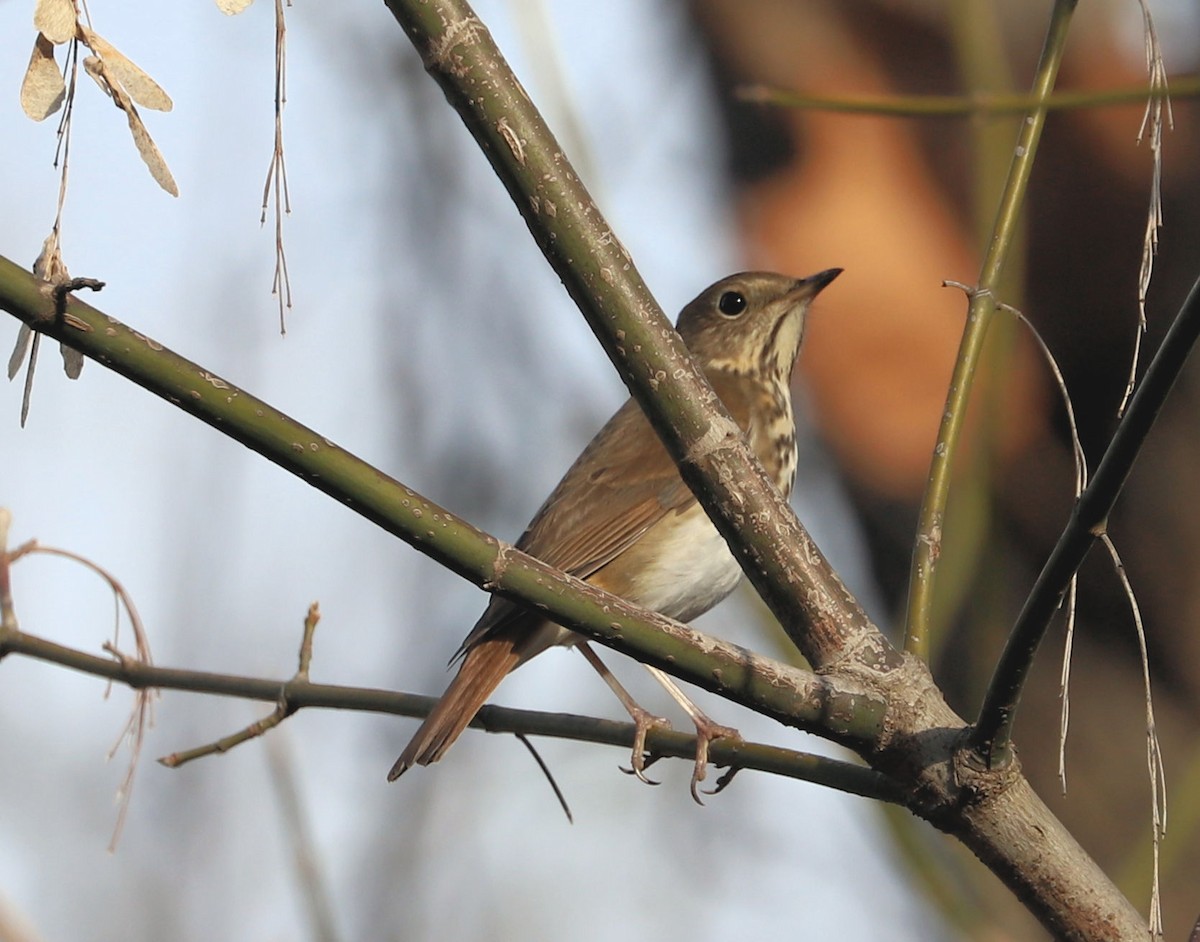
(482, 669)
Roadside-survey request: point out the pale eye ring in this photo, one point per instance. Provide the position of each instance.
(732, 303)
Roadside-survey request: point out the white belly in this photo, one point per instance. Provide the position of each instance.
(686, 577)
(694, 573)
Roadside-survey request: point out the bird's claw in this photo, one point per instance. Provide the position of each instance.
(706, 732)
(644, 721)
(724, 780)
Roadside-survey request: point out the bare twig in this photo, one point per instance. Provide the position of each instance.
(1154, 759)
(141, 717)
(986, 104)
(121, 597)
(276, 188)
(301, 694)
(8, 615)
(1081, 479)
(283, 709)
(990, 737)
(1157, 102)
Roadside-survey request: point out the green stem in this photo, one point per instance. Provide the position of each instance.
(979, 313)
(984, 71)
(977, 104)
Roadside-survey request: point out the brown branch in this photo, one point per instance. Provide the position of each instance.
(775, 550)
(299, 693)
(283, 709)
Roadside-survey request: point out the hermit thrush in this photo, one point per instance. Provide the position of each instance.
(622, 518)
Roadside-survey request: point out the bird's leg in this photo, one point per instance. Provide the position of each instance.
(707, 729)
(643, 720)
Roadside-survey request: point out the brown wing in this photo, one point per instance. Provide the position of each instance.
(621, 485)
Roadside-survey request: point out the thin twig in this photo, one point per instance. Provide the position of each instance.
(975, 105)
(8, 614)
(283, 709)
(141, 717)
(299, 694)
(990, 737)
(276, 186)
(1081, 479)
(1154, 759)
(1152, 126)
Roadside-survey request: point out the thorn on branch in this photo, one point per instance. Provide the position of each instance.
(62, 289)
(971, 291)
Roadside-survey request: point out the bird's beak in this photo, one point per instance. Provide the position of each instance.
(808, 288)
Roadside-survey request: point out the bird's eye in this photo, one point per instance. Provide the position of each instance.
(732, 303)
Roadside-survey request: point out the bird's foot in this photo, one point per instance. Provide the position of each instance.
(643, 721)
(707, 731)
